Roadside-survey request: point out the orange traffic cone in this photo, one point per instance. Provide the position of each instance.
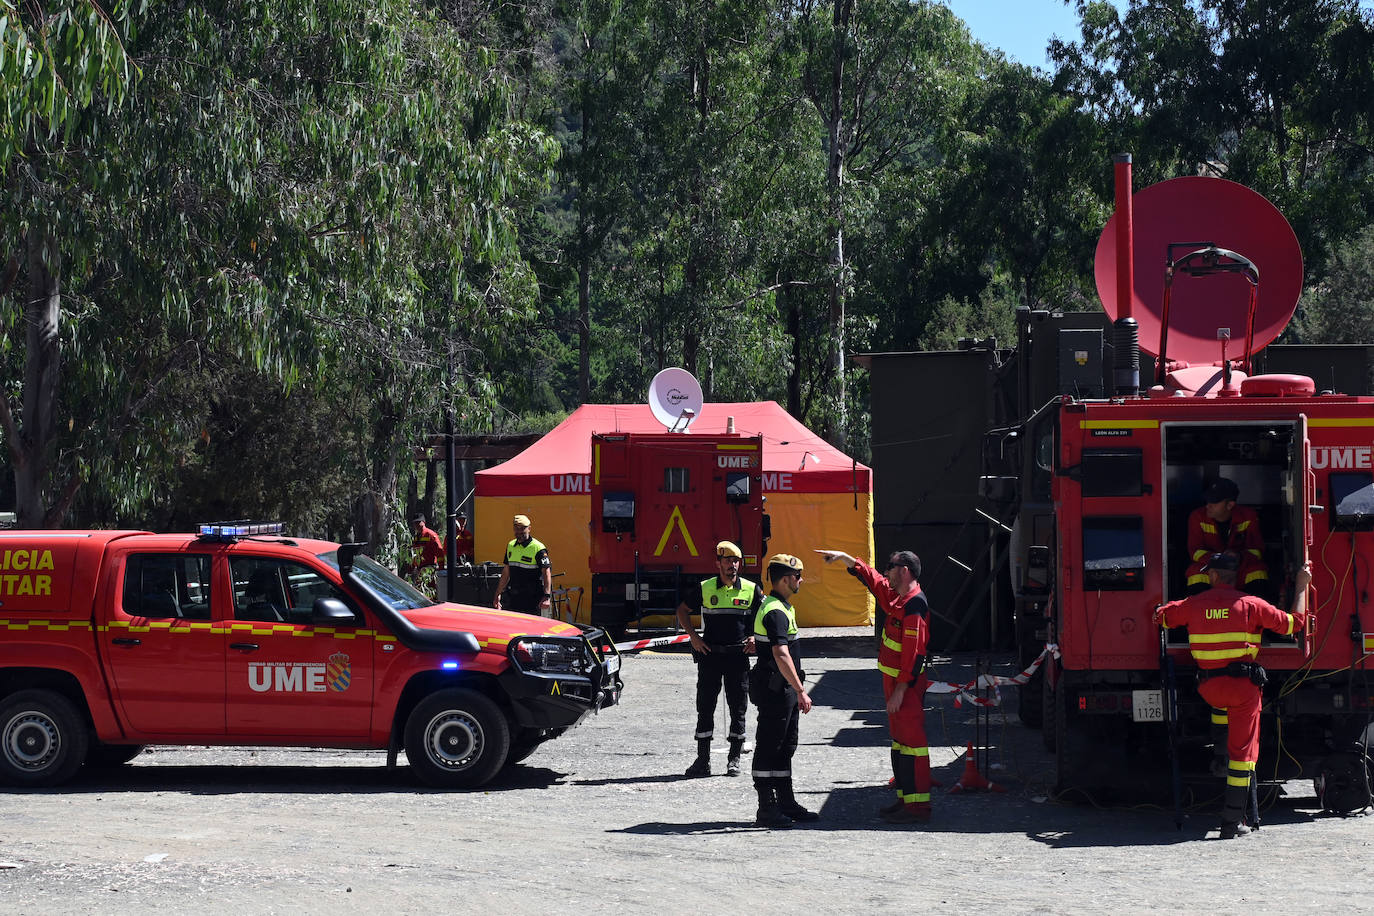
(972, 780)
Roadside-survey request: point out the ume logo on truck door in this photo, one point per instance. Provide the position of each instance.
(301, 677)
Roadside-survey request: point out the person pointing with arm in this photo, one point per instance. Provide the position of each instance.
(902, 661)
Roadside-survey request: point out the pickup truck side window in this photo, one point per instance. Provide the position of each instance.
(167, 585)
(280, 591)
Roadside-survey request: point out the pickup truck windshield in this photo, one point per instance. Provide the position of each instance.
(397, 593)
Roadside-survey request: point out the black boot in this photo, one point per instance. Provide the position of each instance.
(732, 763)
(1230, 830)
(768, 814)
(702, 765)
(787, 802)
(1233, 808)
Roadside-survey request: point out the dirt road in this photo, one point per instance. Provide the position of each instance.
(602, 819)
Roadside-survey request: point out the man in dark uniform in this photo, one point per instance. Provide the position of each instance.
(777, 689)
(527, 581)
(727, 603)
(1224, 630)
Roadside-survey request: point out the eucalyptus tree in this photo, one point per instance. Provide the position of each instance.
(303, 185)
(1025, 191)
(1275, 94)
(60, 63)
(882, 76)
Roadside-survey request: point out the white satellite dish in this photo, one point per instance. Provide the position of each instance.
(675, 398)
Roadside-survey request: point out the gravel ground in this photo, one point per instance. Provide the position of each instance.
(602, 818)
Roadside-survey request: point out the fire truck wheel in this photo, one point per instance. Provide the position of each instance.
(456, 739)
(1078, 759)
(112, 755)
(43, 738)
(1344, 786)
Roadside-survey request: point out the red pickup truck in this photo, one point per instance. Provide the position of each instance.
(113, 640)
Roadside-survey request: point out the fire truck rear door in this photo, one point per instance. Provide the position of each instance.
(1299, 492)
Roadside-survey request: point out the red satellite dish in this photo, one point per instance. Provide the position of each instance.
(1205, 211)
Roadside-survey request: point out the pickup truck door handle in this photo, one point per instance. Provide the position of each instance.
(126, 641)
(244, 646)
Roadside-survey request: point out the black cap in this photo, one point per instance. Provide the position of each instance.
(1222, 561)
(1221, 489)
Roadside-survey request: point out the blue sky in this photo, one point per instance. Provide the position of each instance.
(1022, 28)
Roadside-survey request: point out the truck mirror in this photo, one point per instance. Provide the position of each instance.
(331, 612)
(767, 527)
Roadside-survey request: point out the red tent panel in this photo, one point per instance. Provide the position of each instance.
(795, 460)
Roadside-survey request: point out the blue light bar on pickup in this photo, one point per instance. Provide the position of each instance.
(227, 530)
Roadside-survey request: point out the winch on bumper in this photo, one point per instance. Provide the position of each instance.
(554, 681)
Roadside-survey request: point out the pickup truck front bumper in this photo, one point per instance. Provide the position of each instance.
(555, 681)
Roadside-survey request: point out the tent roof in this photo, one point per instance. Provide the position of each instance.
(794, 458)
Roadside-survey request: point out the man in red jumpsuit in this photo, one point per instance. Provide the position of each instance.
(463, 539)
(1224, 629)
(1219, 526)
(426, 550)
(902, 660)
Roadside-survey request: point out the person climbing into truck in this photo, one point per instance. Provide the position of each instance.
(1224, 630)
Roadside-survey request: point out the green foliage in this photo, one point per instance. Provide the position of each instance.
(57, 60)
(287, 237)
(320, 190)
(1273, 94)
(1339, 307)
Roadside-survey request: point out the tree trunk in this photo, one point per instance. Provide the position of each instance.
(584, 323)
(841, 23)
(793, 307)
(31, 445)
(382, 479)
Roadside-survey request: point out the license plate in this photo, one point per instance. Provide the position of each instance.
(1147, 705)
(612, 664)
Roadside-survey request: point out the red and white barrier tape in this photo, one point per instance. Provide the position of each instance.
(637, 644)
(964, 692)
(961, 692)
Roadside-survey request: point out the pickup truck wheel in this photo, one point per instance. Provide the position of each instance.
(456, 739)
(112, 755)
(524, 743)
(43, 739)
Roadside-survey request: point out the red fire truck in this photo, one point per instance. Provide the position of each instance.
(1110, 477)
(112, 640)
(660, 503)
